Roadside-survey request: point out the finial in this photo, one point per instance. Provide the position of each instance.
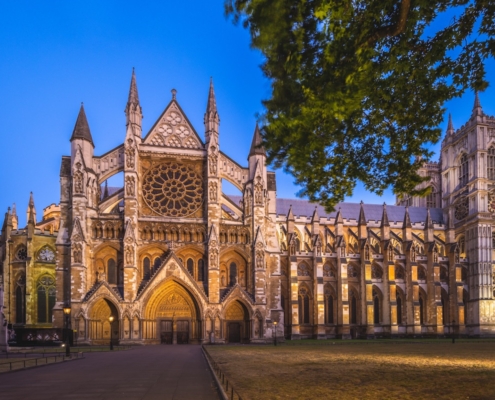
(174, 94)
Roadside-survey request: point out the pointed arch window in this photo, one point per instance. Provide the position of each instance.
(399, 309)
(190, 266)
(421, 310)
(146, 267)
(491, 163)
(233, 274)
(431, 199)
(376, 307)
(201, 270)
(20, 305)
(463, 170)
(112, 271)
(329, 317)
(157, 263)
(46, 298)
(353, 308)
(303, 306)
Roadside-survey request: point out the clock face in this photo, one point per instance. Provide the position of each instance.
(46, 255)
(491, 201)
(21, 253)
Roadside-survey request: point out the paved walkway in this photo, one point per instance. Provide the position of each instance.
(148, 372)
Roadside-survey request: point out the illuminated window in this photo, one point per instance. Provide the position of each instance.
(463, 170)
(303, 306)
(421, 310)
(46, 298)
(399, 309)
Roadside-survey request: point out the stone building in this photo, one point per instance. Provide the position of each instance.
(173, 259)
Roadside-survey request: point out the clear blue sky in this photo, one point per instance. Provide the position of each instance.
(56, 54)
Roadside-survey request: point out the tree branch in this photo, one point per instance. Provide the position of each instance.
(393, 30)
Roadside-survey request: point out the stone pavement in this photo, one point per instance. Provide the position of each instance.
(148, 372)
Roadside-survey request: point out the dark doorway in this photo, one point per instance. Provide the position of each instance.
(234, 332)
(166, 333)
(182, 332)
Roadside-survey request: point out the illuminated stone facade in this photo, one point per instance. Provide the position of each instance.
(176, 260)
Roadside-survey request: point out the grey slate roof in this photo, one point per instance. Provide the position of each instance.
(303, 208)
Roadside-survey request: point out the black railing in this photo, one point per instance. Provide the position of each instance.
(226, 386)
(37, 362)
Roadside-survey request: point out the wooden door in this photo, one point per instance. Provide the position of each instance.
(182, 332)
(166, 333)
(234, 332)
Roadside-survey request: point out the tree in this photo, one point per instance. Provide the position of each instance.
(358, 86)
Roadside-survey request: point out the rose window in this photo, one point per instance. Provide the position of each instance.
(173, 190)
(21, 254)
(46, 254)
(462, 209)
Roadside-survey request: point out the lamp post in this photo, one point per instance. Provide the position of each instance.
(67, 330)
(111, 327)
(275, 324)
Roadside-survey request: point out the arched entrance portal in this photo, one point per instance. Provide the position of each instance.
(174, 316)
(101, 330)
(237, 323)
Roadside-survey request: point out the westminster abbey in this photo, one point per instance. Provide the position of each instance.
(175, 260)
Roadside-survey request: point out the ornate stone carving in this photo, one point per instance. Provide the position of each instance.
(77, 253)
(213, 191)
(462, 209)
(78, 179)
(130, 185)
(129, 255)
(130, 152)
(258, 191)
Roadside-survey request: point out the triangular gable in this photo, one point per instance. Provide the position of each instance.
(102, 289)
(173, 129)
(129, 232)
(77, 233)
(237, 292)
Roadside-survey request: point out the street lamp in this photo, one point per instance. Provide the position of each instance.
(110, 318)
(275, 323)
(67, 320)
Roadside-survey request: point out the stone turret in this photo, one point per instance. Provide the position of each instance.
(81, 138)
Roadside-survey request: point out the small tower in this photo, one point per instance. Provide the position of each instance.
(133, 110)
(15, 219)
(81, 139)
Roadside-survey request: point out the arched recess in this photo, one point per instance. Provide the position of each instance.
(377, 298)
(401, 306)
(101, 330)
(108, 264)
(446, 318)
(194, 262)
(233, 269)
(172, 314)
(423, 318)
(237, 322)
(330, 305)
(354, 306)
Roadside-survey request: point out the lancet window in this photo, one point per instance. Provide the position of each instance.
(491, 163)
(431, 198)
(112, 271)
(304, 312)
(463, 170)
(46, 298)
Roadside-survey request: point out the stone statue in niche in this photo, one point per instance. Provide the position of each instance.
(258, 191)
(130, 185)
(222, 279)
(213, 191)
(259, 259)
(129, 255)
(242, 281)
(78, 179)
(129, 153)
(213, 261)
(77, 253)
(213, 164)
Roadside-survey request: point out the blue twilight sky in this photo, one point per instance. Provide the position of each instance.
(56, 54)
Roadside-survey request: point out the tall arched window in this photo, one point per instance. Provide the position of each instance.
(329, 309)
(421, 308)
(431, 199)
(46, 298)
(399, 309)
(190, 266)
(157, 263)
(112, 271)
(303, 306)
(233, 274)
(463, 170)
(353, 308)
(20, 305)
(491, 163)
(376, 307)
(201, 270)
(298, 244)
(146, 267)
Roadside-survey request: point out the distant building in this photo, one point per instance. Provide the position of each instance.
(173, 259)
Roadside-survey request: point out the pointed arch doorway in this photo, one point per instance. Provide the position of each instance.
(101, 330)
(175, 314)
(237, 323)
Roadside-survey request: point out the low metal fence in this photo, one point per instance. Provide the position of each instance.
(8, 366)
(228, 388)
(12, 353)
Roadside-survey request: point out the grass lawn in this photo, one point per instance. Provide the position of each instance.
(361, 370)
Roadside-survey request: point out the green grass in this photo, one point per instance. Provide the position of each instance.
(434, 369)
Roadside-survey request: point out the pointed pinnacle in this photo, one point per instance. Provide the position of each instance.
(133, 92)
(257, 143)
(477, 110)
(450, 127)
(290, 215)
(429, 222)
(14, 209)
(316, 217)
(362, 217)
(338, 217)
(407, 219)
(384, 217)
(81, 129)
(211, 106)
(31, 200)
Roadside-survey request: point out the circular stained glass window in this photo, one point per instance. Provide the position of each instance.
(21, 253)
(173, 190)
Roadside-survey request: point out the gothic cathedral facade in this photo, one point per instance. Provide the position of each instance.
(175, 260)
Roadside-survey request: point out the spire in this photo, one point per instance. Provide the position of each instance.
(133, 92)
(133, 111)
(290, 220)
(31, 212)
(15, 219)
(290, 214)
(429, 222)
(257, 143)
(384, 217)
(362, 217)
(407, 219)
(429, 238)
(211, 107)
(316, 217)
(81, 129)
(477, 110)
(211, 119)
(338, 218)
(450, 127)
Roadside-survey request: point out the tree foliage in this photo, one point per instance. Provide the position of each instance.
(358, 86)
